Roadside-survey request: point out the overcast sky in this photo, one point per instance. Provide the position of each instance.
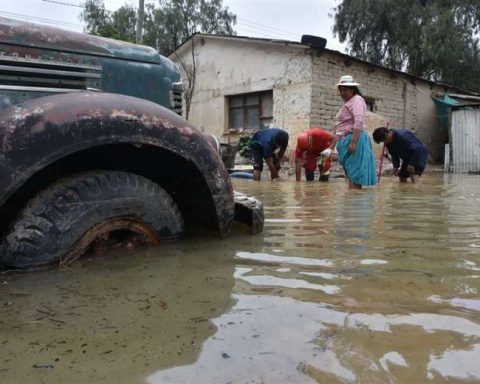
(278, 19)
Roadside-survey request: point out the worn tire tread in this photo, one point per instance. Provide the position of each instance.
(41, 233)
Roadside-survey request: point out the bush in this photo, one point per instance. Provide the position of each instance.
(243, 148)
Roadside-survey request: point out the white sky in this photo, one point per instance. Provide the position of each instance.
(276, 19)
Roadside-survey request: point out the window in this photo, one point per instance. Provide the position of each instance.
(370, 103)
(250, 111)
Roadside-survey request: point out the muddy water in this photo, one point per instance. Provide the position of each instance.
(373, 286)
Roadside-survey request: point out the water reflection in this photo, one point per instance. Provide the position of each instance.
(352, 287)
(355, 221)
(115, 319)
(373, 286)
(272, 281)
(269, 339)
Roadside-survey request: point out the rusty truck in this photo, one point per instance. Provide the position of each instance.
(93, 149)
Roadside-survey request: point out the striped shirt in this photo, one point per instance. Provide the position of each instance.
(351, 115)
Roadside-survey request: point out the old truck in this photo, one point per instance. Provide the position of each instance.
(93, 149)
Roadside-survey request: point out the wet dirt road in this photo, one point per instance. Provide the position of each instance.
(373, 286)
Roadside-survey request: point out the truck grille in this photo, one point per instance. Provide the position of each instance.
(29, 74)
(176, 98)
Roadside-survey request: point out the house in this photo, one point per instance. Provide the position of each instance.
(242, 84)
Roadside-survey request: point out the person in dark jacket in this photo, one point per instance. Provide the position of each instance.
(263, 145)
(403, 145)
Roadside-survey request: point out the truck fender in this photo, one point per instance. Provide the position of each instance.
(41, 131)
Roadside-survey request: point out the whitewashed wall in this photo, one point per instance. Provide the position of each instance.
(225, 68)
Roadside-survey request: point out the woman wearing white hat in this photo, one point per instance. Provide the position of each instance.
(354, 147)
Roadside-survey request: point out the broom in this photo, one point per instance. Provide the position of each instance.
(381, 159)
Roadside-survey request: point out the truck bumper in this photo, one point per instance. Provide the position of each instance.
(249, 211)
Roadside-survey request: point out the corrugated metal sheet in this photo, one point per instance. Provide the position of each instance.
(446, 159)
(465, 141)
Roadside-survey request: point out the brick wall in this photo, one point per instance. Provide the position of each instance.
(393, 96)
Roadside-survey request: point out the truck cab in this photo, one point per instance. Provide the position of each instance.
(94, 151)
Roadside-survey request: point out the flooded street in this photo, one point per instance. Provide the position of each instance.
(343, 286)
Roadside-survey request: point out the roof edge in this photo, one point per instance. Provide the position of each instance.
(309, 46)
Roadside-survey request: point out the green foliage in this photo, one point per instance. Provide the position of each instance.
(434, 39)
(165, 27)
(118, 25)
(244, 147)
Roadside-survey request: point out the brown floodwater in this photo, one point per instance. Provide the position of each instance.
(343, 286)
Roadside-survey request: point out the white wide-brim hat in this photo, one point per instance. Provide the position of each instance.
(346, 81)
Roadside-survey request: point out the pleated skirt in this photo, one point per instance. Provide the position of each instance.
(359, 166)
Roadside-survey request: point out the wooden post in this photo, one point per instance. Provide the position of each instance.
(139, 29)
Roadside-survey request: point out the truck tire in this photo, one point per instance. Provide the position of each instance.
(64, 220)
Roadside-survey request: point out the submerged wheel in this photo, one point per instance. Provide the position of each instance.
(64, 220)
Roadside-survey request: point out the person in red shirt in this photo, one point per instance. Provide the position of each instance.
(313, 145)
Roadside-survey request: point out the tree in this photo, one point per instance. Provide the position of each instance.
(434, 39)
(176, 20)
(188, 67)
(165, 27)
(118, 25)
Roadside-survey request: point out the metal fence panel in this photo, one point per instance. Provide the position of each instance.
(465, 141)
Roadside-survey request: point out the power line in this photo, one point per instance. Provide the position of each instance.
(132, 3)
(264, 27)
(33, 18)
(273, 2)
(263, 35)
(248, 30)
(248, 25)
(62, 3)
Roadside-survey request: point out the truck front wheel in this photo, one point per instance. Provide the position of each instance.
(68, 218)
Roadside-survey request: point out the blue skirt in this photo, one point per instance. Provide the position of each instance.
(359, 166)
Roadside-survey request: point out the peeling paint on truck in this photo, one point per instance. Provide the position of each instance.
(71, 104)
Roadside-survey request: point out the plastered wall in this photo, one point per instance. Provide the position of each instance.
(225, 69)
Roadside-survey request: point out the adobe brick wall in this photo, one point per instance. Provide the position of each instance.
(403, 100)
(394, 97)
